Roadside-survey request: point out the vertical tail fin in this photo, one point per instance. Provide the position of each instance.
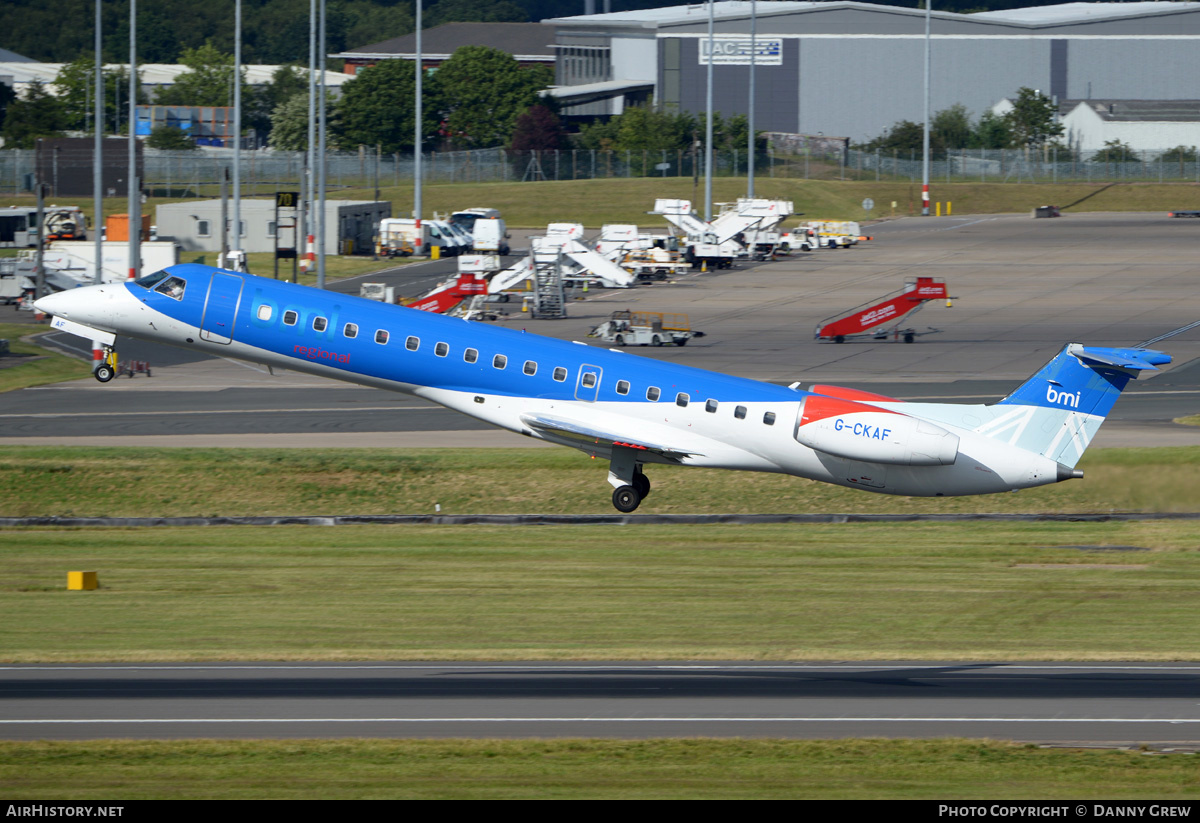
(1060, 409)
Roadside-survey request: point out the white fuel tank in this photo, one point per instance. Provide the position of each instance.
(857, 431)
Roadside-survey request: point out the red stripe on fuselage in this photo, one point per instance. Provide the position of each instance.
(818, 407)
(852, 394)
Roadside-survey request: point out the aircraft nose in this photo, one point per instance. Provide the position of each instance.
(89, 305)
(57, 304)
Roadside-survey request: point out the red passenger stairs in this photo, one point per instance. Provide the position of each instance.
(882, 318)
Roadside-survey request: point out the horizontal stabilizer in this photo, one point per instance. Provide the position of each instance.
(1132, 359)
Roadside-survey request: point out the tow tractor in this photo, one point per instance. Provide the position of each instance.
(881, 318)
(645, 328)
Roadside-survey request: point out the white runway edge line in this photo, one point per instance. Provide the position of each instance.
(593, 719)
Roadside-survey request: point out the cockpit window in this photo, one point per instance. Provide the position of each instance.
(151, 280)
(172, 287)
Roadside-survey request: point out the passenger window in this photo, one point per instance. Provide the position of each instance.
(622, 387)
(740, 412)
(710, 406)
(470, 355)
(264, 312)
(530, 367)
(412, 343)
(172, 287)
(560, 374)
(681, 399)
(381, 337)
(290, 318)
(652, 393)
(441, 349)
(589, 379)
(769, 418)
(350, 330)
(499, 361)
(319, 323)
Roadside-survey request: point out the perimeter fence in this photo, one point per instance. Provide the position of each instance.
(198, 173)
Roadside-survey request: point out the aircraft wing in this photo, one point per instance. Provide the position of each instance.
(580, 435)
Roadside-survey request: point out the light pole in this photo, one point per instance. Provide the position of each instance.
(418, 171)
(925, 134)
(135, 203)
(750, 125)
(708, 125)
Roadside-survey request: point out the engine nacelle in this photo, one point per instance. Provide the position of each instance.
(857, 431)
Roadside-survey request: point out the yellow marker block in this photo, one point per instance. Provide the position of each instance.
(948, 205)
(435, 252)
(938, 209)
(82, 581)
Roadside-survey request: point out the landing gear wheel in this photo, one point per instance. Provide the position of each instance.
(626, 499)
(104, 373)
(641, 484)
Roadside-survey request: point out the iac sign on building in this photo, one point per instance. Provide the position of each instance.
(735, 51)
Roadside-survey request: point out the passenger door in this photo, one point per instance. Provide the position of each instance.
(220, 307)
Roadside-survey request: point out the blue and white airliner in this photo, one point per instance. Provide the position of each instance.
(630, 411)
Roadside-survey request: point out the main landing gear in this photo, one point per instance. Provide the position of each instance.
(630, 484)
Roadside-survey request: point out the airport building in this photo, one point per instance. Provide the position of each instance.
(854, 69)
(195, 225)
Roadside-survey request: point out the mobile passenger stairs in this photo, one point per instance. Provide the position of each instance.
(882, 318)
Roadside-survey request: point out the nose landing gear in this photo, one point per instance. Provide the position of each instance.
(106, 369)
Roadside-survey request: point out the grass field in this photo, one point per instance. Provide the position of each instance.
(580, 769)
(34, 365)
(152, 482)
(982, 591)
(626, 200)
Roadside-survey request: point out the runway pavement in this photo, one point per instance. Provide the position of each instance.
(1111, 704)
(1022, 289)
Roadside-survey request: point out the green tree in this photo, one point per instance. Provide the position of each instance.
(991, 132)
(904, 137)
(482, 92)
(286, 83)
(1115, 151)
(1180, 154)
(951, 127)
(77, 94)
(1033, 118)
(377, 107)
(208, 81)
(171, 138)
(36, 114)
(289, 124)
(483, 11)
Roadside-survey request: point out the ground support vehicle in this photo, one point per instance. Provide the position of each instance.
(716, 244)
(645, 328)
(801, 238)
(1183, 214)
(881, 318)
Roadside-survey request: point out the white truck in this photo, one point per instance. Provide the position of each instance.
(400, 237)
(645, 328)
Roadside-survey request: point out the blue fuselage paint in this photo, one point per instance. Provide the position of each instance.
(265, 303)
